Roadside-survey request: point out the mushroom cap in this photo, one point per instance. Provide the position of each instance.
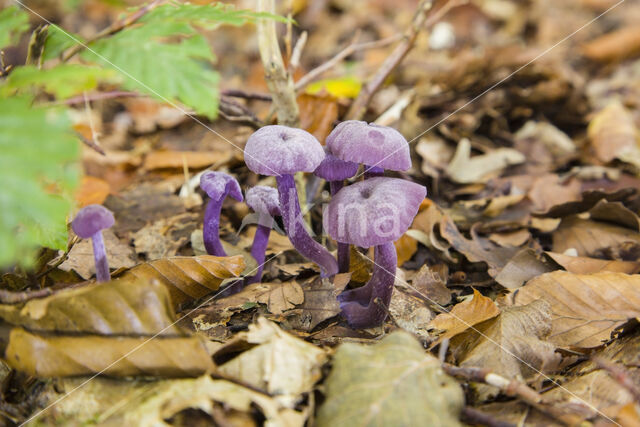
(219, 185)
(281, 150)
(374, 211)
(91, 219)
(263, 199)
(334, 169)
(371, 144)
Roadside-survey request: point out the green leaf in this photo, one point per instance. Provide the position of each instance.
(206, 16)
(38, 173)
(391, 383)
(62, 81)
(179, 71)
(58, 40)
(13, 22)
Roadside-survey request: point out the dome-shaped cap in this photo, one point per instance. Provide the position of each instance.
(91, 219)
(334, 169)
(371, 144)
(219, 185)
(263, 199)
(281, 150)
(374, 211)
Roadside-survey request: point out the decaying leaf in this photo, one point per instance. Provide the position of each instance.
(113, 308)
(81, 258)
(432, 285)
(279, 363)
(50, 355)
(187, 278)
(464, 315)
(585, 308)
(180, 159)
(406, 247)
(320, 302)
(279, 297)
(586, 265)
(465, 169)
(391, 383)
(524, 265)
(613, 134)
(143, 403)
(587, 236)
(512, 345)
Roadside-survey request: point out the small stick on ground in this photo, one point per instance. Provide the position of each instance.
(237, 93)
(420, 20)
(620, 375)
(475, 417)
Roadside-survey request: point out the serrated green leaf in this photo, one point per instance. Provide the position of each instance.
(58, 41)
(62, 81)
(37, 171)
(13, 22)
(179, 71)
(206, 16)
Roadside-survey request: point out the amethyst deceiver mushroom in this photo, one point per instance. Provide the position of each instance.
(264, 201)
(335, 171)
(373, 212)
(89, 223)
(217, 185)
(377, 147)
(282, 151)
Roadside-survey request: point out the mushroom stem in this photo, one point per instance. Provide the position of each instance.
(210, 232)
(294, 227)
(343, 248)
(100, 257)
(259, 247)
(372, 171)
(359, 305)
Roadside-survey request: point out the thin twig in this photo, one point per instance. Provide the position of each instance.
(476, 417)
(315, 74)
(113, 28)
(420, 20)
(237, 93)
(279, 81)
(234, 112)
(294, 62)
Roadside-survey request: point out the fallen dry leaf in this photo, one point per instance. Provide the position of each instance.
(586, 265)
(318, 114)
(549, 190)
(613, 134)
(187, 278)
(385, 384)
(463, 316)
(279, 297)
(277, 362)
(465, 169)
(523, 266)
(587, 236)
(585, 308)
(513, 345)
(180, 159)
(614, 46)
(92, 190)
(320, 302)
(432, 285)
(406, 247)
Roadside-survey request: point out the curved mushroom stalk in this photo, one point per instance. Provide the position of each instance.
(217, 185)
(344, 254)
(294, 227)
(89, 223)
(259, 247)
(367, 306)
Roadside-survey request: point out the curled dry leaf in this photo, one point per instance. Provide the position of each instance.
(585, 308)
(614, 46)
(111, 308)
(463, 316)
(385, 384)
(613, 134)
(58, 356)
(187, 278)
(512, 345)
(465, 169)
(143, 403)
(279, 297)
(278, 362)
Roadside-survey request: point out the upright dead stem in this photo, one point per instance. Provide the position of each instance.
(279, 81)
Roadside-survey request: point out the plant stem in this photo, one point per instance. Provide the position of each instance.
(100, 257)
(258, 249)
(294, 226)
(343, 248)
(210, 232)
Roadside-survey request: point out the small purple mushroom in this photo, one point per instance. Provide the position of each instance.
(378, 147)
(336, 171)
(89, 223)
(263, 200)
(217, 185)
(374, 212)
(282, 151)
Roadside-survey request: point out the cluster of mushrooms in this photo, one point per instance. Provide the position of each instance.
(375, 211)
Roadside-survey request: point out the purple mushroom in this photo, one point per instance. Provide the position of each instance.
(89, 223)
(374, 212)
(336, 171)
(263, 200)
(378, 147)
(217, 185)
(282, 151)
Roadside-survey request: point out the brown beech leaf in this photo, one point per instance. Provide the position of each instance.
(465, 169)
(614, 46)
(587, 236)
(180, 159)
(279, 297)
(431, 284)
(92, 191)
(586, 265)
(59, 356)
(524, 265)
(585, 308)
(320, 302)
(548, 191)
(613, 133)
(111, 308)
(512, 344)
(463, 316)
(187, 278)
(317, 114)
(406, 247)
